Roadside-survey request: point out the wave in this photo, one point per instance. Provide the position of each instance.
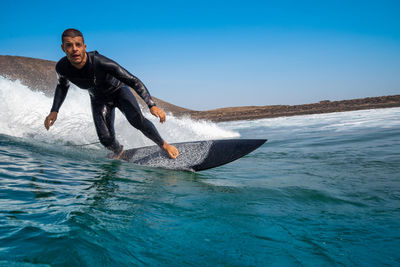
(23, 113)
(339, 121)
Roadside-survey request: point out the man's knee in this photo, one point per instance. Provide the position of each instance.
(136, 120)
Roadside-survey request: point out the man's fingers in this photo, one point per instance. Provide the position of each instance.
(46, 123)
(159, 113)
(50, 120)
(162, 117)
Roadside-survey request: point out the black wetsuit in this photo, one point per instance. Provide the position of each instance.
(107, 83)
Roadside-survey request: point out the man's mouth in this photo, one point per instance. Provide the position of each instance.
(75, 56)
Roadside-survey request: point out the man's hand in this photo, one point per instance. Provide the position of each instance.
(50, 119)
(158, 112)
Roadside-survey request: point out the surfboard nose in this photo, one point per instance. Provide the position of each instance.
(242, 147)
(228, 150)
(256, 142)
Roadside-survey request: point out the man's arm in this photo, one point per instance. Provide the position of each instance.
(126, 77)
(59, 97)
(60, 93)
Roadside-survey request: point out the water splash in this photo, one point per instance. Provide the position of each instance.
(23, 113)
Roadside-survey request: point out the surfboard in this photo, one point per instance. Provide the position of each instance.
(193, 156)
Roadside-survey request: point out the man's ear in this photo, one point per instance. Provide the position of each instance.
(62, 47)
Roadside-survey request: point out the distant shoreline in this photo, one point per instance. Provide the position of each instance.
(39, 74)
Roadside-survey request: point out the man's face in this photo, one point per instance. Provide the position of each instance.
(75, 50)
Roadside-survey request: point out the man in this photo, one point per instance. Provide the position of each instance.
(107, 83)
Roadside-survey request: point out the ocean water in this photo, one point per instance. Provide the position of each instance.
(323, 191)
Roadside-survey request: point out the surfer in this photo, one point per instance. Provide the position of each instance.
(107, 83)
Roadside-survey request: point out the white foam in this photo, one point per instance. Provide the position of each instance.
(23, 112)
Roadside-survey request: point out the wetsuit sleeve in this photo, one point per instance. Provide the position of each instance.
(126, 77)
(60, 93)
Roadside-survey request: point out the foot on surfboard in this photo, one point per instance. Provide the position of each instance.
(170, 150)
(115, 155)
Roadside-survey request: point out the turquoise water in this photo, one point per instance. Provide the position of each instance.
(323, 191)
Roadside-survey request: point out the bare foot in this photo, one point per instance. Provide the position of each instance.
(171, 150)
(117, 156)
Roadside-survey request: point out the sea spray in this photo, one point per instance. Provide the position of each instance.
(23, 113)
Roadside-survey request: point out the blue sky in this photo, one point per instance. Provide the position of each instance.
(210, 54)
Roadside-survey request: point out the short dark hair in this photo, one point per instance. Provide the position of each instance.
(71, 33)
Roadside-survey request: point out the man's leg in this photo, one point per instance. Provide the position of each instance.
(128, 105)
(103, 116)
